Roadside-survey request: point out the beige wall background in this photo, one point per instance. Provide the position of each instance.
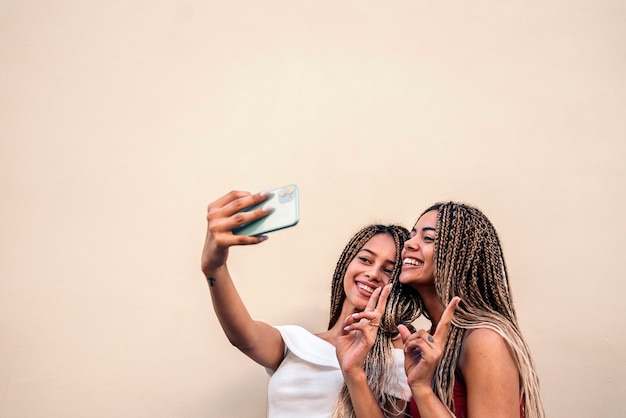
(122, 120)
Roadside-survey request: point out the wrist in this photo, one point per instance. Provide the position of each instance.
(213, 274)
(422, 391)
(354, 376)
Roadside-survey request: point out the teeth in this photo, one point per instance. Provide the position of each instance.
(365, 287)
(412, 262)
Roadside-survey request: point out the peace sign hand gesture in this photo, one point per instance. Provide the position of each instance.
(359, 332)
(422, 351)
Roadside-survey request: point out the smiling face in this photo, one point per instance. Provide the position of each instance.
(418, 266)
(369, 269)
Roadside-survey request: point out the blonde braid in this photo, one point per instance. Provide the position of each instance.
(469, 263)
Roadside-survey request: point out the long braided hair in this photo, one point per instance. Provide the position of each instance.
(469, 263)
(404, 305)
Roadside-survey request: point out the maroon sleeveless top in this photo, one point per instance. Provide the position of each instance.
(460, 401)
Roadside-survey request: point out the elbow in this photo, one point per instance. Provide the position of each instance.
(240, 344)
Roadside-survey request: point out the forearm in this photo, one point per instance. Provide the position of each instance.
(429, 405)
(238, 325)
(258, 340)
(364, 403)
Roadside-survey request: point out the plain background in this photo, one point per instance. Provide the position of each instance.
(122, 120)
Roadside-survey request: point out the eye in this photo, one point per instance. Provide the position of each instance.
(365, 260)
(429, 239)
(388, 272)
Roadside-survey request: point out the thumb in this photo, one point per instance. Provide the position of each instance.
(404, 332)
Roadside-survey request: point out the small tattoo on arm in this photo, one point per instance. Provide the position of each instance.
(211, 281)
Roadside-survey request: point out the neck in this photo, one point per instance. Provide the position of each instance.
(432, 306)
(346, 309)
(332, 334)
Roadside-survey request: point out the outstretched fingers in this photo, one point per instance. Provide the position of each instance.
(378, 300)
(372, 314)
(446, 319)
(381, 301)
(422, 341)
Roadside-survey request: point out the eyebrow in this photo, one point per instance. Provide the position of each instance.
(426, 228)
(373, 253)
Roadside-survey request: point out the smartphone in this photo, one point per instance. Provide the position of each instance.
(285, 202)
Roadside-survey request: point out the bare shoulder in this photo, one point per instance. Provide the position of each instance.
(491, 374)
(483, 339)
(482, 347)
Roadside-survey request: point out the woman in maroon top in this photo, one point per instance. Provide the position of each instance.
(474, 362)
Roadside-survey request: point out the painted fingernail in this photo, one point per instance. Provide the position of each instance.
(267, 208)
(263, 238)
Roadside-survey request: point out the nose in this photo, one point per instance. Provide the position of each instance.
(375, 273)
(411, 244)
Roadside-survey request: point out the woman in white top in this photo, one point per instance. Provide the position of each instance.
(332, 373)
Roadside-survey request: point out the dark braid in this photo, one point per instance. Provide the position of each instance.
(469, 263)
(403, 306)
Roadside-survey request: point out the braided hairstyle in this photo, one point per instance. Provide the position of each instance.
(469, 263)
(404, 305)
